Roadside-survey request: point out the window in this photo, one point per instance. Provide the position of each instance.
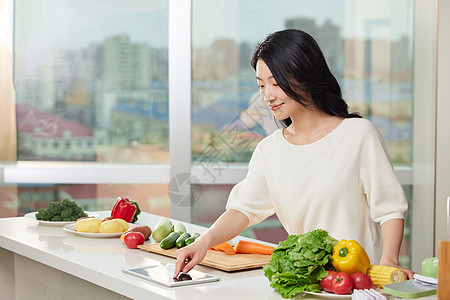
(91, 86)
(368, 47)
(95, 72)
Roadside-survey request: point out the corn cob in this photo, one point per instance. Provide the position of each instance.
(382, 275)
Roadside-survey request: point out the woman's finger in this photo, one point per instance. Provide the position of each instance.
(190, 264)
(180, 263)
(407, 274)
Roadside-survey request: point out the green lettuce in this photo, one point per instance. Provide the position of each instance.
(299, 263)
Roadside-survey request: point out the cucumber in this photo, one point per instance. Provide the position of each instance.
(192, 238)
(181, 241)
(162, 229)
(169, 241)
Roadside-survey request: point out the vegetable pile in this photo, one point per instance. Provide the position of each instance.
(355, 272)
(315, 261)
(64, 211)
(170, 235)
(300, 262)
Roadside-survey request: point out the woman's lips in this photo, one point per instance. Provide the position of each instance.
(275, 107)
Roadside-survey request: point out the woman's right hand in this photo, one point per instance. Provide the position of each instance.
(189, 256)
(229, 225)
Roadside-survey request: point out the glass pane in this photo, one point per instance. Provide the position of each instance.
(91, 80)
(17, 200)
(368, 46)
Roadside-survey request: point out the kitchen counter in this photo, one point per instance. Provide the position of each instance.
(38, 261)
(45, 262)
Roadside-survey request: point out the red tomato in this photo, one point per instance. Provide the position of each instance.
(342, 284)
(325, 283)
(133, 239)
(361, 281)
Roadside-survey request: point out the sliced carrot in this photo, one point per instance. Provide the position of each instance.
(225, 247)
(252, 247)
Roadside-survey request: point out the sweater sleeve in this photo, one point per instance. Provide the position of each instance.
(385, 196)
(251, 196)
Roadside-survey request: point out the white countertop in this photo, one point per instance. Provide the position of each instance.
(100, 261)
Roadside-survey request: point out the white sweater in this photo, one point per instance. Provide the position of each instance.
(343, 183)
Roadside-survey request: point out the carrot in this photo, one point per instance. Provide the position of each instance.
(252, 247)
(225, 247)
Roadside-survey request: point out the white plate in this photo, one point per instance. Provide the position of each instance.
(325, 295)
(71, 228)
(32, 216)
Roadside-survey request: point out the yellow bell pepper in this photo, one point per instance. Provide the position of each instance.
(350, 257)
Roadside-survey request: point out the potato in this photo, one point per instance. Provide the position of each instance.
(145, 230)
(107, 218)
(111, 226)
(90, 225)
(124, 224)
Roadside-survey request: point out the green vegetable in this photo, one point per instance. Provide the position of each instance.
(64, 211)
(138, 211)
(300, 262)
(180, 228)
(170, 240)
(181, 241)
(192, 238)
(162, 229)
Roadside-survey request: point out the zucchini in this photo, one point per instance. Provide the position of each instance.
(162, 229)
(169, 241)
(192, 238)
(180, 228)
(181, 241)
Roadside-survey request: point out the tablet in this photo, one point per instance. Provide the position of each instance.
(163, 274)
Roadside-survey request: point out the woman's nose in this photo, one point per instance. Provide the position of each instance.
(268, 96)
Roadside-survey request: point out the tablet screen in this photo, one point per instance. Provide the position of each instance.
(163, 274)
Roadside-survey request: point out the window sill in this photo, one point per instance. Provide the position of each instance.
(98, 173)
(91, 173)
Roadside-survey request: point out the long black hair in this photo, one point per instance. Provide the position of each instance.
(298, 66)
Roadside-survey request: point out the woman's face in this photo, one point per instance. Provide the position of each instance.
(281, 105)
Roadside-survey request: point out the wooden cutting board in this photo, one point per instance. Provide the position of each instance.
(218, 259)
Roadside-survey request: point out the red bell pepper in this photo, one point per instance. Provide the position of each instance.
(124, 209)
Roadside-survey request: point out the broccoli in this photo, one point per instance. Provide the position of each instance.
(66, 214)
(65, 210)
(42, 215)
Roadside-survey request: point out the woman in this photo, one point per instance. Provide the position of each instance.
(327, 168)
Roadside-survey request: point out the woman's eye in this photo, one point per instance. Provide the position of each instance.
(275, 84)
(260, 86)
